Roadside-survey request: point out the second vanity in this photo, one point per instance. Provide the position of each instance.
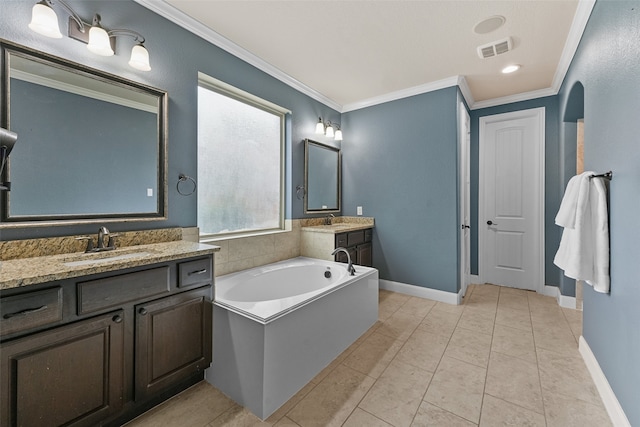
(355, 234)
(95, 339)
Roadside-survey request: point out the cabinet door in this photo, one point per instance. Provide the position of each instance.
(365, 255)
(71, 375)
(173, 340)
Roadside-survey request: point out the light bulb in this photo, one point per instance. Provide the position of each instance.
(140, 58)
(99, 42)
(320, 127)
(45, 21)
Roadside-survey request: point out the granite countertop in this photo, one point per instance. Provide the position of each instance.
(337, 228)
(30, 271)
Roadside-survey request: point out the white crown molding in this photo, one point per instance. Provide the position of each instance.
(466, 91)
(580, 19)
(178, 17)
(403, 93)
(525, 96)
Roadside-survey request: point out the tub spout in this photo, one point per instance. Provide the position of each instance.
(350, 268)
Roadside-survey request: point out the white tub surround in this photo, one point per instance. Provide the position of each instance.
(266, 349)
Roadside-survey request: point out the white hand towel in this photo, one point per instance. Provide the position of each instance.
(584, 248)
(575, 252)
(600, 229)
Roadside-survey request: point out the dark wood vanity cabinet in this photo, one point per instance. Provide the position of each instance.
(173, 340)
(70, 375)
(101, 349)
(358, 243)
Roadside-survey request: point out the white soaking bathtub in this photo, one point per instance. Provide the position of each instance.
(277, 326)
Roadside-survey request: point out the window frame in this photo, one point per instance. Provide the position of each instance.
(210, 83)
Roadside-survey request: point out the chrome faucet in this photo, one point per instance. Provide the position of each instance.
(350, 268)
(328, 218)
(103, 233)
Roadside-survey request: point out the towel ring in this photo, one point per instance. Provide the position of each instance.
(182, 178)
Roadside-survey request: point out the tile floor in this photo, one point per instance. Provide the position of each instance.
(505, 357)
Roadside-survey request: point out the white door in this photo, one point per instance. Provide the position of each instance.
(510, 214)
(464, 139)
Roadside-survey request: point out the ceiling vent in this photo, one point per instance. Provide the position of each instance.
(495, 48)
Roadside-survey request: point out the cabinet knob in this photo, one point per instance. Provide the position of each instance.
(117, 318)
(142, 311)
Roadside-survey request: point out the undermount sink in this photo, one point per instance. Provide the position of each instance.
(103, 257)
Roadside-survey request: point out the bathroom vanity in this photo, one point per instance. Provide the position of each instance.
(355, 234)
(96, 339)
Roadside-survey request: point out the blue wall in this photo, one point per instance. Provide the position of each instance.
(607, 64)
(553, 188)
(176, 57)
(400, 165)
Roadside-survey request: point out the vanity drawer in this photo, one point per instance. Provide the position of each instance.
(356, 237)
(341, 240)
(30, 310)
(112, 292)
(192, 272)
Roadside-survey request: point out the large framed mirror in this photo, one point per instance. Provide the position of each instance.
(322, 178)
(91, 147)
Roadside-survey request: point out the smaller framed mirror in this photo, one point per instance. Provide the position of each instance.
(322, 177)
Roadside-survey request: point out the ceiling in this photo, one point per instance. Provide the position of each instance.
(351, 54)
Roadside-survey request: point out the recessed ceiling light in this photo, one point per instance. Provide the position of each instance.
(492, 23)
(510, 69)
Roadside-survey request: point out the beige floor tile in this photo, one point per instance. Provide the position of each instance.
(431, 416)
(477, 321)
(449, 308)
(519, 319)
(396, 395)
(360, 418)
(440, 322)
(179, 410)
(557, 338)
(487, 289)
(514, 342)
(514, 301)
(515, 381)
(237, 416)
(423, 349)
(373, 355)
(566, 376)
(566, 412)
(389, 302)
(331, 402)
(458, 387)
(470, 346)
(497, 412)
(400, 325)
(417, 306)
(286, 422)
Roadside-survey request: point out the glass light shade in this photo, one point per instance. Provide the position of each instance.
(45, 21)
(510, 69)
(320, 127)
(140, 58)
(99, 42)
(329, 131)
(338, 135)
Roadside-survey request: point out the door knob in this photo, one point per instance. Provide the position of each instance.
(491, 223)
(463, 226)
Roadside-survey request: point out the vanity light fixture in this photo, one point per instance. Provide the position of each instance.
(99, 41)
(327, 130)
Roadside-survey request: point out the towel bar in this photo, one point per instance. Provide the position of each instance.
(607, 175)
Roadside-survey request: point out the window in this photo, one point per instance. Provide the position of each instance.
(240, 161)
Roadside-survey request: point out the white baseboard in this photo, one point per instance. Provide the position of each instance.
(563, 300)
(419, 291)
(609, 399)
(473, 279)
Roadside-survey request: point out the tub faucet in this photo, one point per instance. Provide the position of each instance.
(328, 219)
(350, 268)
